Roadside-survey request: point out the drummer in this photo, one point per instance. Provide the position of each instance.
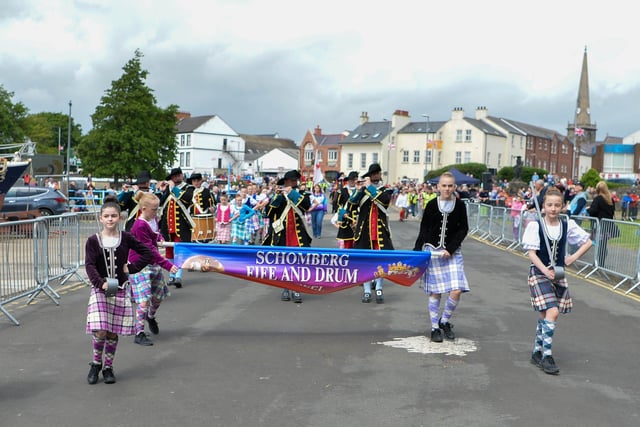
(203, 203)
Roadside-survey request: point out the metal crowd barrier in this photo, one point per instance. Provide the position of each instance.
(25, 258)
(41, 253)
(615, 254)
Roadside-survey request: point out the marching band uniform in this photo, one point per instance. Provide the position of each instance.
(372, 229)
(345, 229)
(127, 201)
(176, 222)
(287, 223)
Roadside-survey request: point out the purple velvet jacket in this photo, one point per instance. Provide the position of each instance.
(95, 260)
(142, 231)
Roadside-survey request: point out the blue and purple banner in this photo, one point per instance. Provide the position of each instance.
(308, 270)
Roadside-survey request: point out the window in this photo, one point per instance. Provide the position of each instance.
(332, 156)
(529, 145)
(181, 140)
(374, 158)
(467, 135)
(467, 156)
(459, 135)
(319, 156)
(488, 161)
(188, 140)
(224, 144)
(308, 153)
(554, 147)
(416, 156)
(564, 148)
(405, 156)
(350, 161)
(499, 160)
(428, 157)
(187, 160)
(181, 160)
(363, 160)
(513, 140)
(439, 157)
(458, 157)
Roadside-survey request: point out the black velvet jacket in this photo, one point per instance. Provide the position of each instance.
(431, 227)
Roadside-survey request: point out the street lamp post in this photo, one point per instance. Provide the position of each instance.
(389, 145)
(69, 150)
(427, 129)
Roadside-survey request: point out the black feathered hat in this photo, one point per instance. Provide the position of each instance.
(374, 168)
(174, 172)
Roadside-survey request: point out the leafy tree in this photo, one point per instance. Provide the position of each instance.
(43, 127)
(591, 178)
(474, 169)
(130, 132)
(11, 118)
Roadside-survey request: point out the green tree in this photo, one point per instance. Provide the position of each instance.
(130, 132)
(590, 178)
(43, 129)
(11, 118)
(474, 169)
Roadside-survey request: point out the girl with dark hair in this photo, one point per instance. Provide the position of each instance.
(109, 312)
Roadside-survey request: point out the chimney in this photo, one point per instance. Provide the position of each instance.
(481, 113)
(364, 118)
(183, 115)
(317, 131)
(457, 113)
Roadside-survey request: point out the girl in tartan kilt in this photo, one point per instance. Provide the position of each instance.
(550, 296)
(223, 220)
(444, 226)
(148, 286)
(110, 316)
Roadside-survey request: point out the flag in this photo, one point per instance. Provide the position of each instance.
(317, 171)
(579, 132)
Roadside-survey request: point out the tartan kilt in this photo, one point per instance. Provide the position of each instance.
(251, 225)
(239, 231)
(223, 232)
(546, 295)
(446, 274)
(147, 283)
(113, 314)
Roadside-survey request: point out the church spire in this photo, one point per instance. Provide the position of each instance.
(583, 113)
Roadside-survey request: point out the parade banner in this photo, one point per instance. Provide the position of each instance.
(307, 270)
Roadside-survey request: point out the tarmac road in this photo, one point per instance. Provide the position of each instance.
(230, 353)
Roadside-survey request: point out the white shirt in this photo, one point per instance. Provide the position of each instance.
(575, 234)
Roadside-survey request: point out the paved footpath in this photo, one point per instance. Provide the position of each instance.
(230, 353)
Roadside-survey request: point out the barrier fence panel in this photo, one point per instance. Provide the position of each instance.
(64, 247)
(617, 244)
(24, 259)
(473, 217)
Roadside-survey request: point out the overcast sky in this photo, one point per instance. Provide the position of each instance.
(286, 66)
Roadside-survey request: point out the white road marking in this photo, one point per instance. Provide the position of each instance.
(422, 344)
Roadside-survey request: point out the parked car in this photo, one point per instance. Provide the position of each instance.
(46, 201)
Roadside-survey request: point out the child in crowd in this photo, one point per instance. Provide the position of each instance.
(550, 296)
(110, 316)
(148, 285)
(223, 220)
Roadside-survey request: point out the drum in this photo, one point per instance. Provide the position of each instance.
(204, 228)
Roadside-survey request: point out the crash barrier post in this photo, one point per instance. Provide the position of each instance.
(23, 270)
